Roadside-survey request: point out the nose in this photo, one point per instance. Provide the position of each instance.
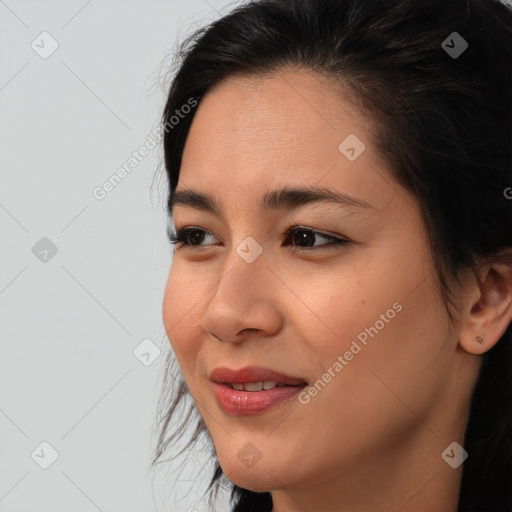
(245, 300)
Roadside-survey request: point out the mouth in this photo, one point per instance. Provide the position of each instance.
(253, 390)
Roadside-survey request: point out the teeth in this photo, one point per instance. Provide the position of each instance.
(253, 386)
(257, 386)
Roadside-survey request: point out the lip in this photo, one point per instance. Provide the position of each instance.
(240, 403)
(253, 374)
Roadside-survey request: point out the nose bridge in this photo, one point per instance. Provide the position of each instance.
(242, 298)
(244, 270)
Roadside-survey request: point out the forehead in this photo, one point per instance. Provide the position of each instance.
(253, 132)
(278, 112)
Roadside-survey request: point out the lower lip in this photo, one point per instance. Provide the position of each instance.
(240, 403)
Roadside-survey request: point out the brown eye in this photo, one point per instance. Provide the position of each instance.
(189, 236)
(303, 238)
(195, 236)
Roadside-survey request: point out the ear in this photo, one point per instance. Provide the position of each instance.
(487, 308)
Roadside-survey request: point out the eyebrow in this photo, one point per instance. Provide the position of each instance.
(284, 198)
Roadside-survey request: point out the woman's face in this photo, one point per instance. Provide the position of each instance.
(362, 320)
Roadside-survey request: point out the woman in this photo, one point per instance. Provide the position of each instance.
(340, 297)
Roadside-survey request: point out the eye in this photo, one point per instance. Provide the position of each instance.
(302, 238)
(195, 235)
(308, 236)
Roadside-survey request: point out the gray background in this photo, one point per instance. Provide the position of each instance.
(70, 324)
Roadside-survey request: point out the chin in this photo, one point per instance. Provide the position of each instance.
(259, 478)
(253, 481)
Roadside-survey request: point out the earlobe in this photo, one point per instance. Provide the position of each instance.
(476, 345)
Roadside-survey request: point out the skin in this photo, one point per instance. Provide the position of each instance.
(372, 438)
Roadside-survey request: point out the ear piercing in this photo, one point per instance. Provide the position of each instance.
(480, 340)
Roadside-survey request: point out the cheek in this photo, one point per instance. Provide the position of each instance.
(334, 308)
(390, 333)
(396, 360)
(181, 314)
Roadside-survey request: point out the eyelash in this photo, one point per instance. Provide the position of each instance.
(181, 236)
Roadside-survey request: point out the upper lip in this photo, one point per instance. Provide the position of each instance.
(253, 374)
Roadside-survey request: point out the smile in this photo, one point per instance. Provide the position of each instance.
(253, 390)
